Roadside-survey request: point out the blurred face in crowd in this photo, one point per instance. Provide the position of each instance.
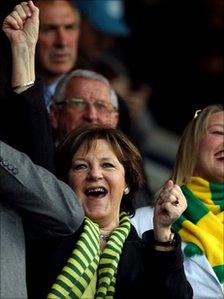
(58, 38)
(210, 162)
(98, 178)
(87, 101)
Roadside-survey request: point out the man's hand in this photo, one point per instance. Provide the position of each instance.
(22, 24)
(21, 27)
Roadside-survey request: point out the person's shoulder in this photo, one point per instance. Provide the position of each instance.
(143, 219)
(144, 210)
(143, 214)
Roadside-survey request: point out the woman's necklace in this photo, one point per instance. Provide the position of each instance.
(104, 237)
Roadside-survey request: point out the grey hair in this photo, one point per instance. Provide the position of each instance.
(81, 73)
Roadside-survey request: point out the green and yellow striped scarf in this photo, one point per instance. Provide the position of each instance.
(202, 224)
(86, 259)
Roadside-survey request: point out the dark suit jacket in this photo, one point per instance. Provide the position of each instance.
(25, 126)
(142, 271)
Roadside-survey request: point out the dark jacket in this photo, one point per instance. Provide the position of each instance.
(142, 272)
(24, 125)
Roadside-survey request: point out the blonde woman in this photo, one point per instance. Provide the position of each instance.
(199, 170)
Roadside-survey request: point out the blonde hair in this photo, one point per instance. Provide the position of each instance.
(189, 144)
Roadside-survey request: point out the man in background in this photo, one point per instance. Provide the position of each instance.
(57, 43)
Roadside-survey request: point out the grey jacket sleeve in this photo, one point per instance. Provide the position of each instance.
(49, 205)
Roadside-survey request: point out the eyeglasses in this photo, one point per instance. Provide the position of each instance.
(80, 105)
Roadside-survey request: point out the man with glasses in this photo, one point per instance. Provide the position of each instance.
(82, 97)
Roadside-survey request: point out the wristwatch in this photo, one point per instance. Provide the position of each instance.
(171, 242)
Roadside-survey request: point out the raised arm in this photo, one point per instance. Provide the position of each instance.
(169, 206)
(21, 27)
(24, 122)
(169, 277)
(50, 206)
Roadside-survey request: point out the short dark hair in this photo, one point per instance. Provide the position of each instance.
(126, 152)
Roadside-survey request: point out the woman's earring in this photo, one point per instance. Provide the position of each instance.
(126, 190)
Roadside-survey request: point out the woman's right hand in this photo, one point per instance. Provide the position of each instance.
(169, 205)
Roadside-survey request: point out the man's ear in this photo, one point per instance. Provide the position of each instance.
(54, 116)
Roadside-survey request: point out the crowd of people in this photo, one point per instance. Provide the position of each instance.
(72, 179)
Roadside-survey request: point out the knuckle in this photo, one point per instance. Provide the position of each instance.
(18, 6)
(14, 14)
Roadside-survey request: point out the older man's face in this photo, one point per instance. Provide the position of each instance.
(91, 104)
(58, 38)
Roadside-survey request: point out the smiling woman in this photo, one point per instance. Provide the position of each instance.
(99, 179)
(199, 170)
(200, 147)
(99, 153)
(105, 258)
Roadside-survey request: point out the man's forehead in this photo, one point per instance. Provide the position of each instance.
(52, 2)
(85, 87)
(57, 10)
(88, 84)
